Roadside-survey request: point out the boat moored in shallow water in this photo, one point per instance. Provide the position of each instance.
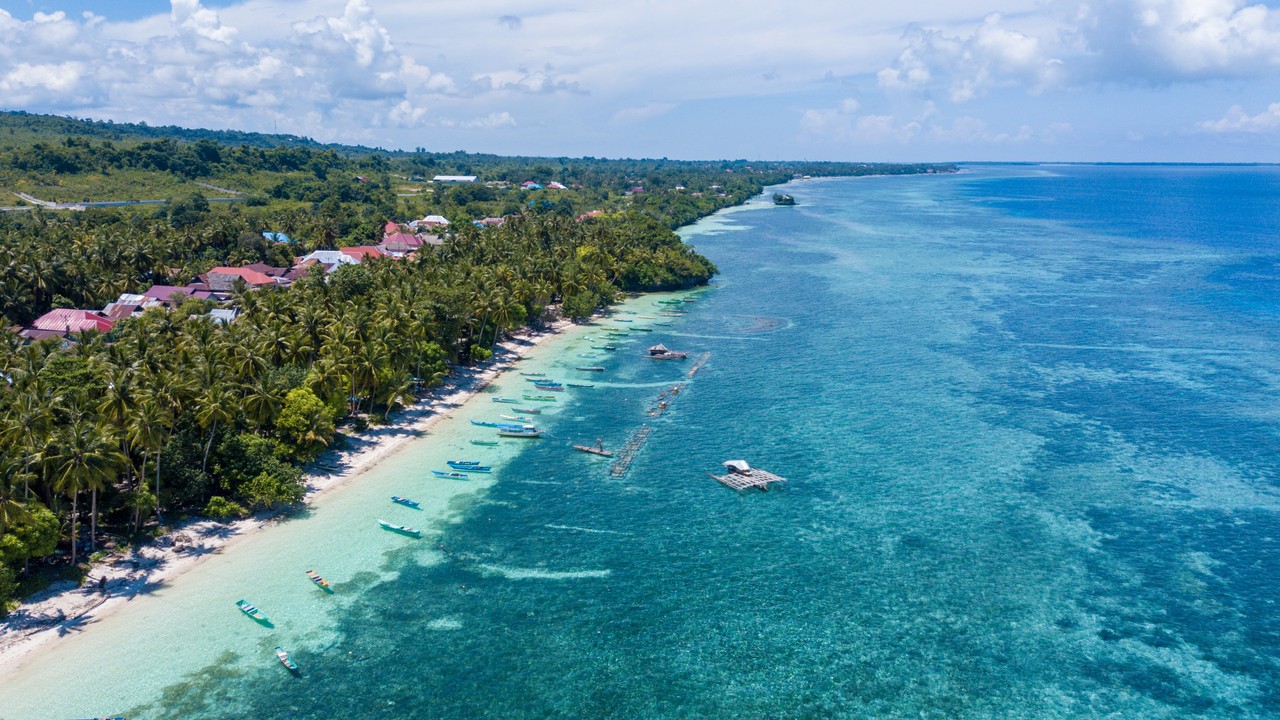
(319, 581)
(248, 609)
(283, 656)
(520, 433)
(405, 501)
(402, 529)
(454, 475)
(505, 400)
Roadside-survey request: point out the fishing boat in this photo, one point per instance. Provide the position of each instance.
(672, 314)
(251, 611)
(667, 302)
(285, 660)
(521, 433)
(471, 468)
(319, 581)
(579, 385)
(518, 418)
(540, 398)
(590, 368)
(594, 450)
(622, 320)
(533, 374)
(610, 348)
(489, 423)
(404, 529)
(588, 355)
(486, 443)
(405, 501)
(463, 462)
(505, 400)
(457, 475)
(643, 329)
(528, 411)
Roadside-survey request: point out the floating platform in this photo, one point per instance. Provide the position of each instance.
(594, 450)
(741, 476)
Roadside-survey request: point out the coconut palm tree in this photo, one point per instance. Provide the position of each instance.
(83, 457)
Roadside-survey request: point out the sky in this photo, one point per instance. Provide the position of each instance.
(908, 80)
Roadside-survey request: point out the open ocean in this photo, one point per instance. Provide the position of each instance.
(1030, 419)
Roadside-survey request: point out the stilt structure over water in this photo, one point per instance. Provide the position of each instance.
(628, 452)
(741, 476)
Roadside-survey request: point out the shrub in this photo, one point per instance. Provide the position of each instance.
(222, 508)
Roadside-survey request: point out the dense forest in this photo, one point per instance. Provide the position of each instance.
(170, 414)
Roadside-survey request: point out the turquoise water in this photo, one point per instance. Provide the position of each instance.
(1030, 419)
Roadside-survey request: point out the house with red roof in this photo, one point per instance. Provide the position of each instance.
(62, 322)
(360, 253)
(223, 279)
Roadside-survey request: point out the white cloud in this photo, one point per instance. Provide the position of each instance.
(992, 56)
(1238, 121)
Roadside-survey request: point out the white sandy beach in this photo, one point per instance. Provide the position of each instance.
(113, 582)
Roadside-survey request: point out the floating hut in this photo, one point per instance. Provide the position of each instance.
(661, 352)
(741, 476)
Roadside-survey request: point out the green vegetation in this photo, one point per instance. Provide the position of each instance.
(172, 413)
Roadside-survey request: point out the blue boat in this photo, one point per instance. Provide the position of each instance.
(454, 475)
(471, 468)
(404, 501)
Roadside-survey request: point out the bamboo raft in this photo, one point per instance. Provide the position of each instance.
(594, 450)
(628, 452)
(741, 476)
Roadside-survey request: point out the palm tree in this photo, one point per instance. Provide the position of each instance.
(83, 457)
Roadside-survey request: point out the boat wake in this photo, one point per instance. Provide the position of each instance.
(511, 573)
(586, 530)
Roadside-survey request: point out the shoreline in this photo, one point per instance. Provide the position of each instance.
(65, 607)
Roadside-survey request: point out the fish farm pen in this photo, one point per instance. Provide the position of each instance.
(660, 405)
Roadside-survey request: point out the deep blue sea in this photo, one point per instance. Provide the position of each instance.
(1029, 415)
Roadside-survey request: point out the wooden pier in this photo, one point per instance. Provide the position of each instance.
(741, 476)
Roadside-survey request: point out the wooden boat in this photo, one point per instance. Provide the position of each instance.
(404, 529)
(644, 329)
(505, 400)
(533, 374)
(283, 656)
(590, 368)
(486, 443)
(672, 314)
(579, 385)
(319, 581)
(529, 411)
(489, 423)
(540, 398)
(548, 386)
(667, 302)
(463, 462)
(251, 611)
(518, 418)
(455, 475)
(588, 355)
(593, 450)
(689, 300)
(405, 501)
(622, 320)
(521, 433)
(472, 468)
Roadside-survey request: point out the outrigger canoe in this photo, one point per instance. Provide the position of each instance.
(454, 475)
(403, 529)
(319, 581)
(248, 609)
(578, 385)
(540, 398)
(528, 411)
(521, 433)
(405, 501)
(283, 656)
(486, 443)
(473, 468)
(590, 368)
(505, 400)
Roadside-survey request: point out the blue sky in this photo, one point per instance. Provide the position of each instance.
(1074, 80)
